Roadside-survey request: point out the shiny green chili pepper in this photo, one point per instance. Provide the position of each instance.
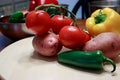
(90, 60)
(17, 17)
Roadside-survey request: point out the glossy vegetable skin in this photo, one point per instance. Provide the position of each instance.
(32, 4)
(38, 21)
(73, 37)
(48, 2)
(89, 60)
(18, 17)
(105, 20)
(59, 21)
(35, 3)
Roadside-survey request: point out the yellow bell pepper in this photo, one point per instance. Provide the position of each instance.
(105, 20)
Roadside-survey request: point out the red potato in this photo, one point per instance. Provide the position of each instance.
(108, 43)
(47, 44)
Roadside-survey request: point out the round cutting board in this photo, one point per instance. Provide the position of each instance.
(19, 61)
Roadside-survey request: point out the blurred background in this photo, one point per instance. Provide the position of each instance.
(82, 8)
(9, 6)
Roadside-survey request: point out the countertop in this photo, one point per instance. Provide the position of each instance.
(4, 41)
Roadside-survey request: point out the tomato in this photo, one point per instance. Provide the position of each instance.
(58, 21)
(32, 4)
(38, 21)
(47, 2)
(35, 3)
(87, 37)
(72, 37)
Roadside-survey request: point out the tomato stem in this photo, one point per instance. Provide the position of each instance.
(58, 6)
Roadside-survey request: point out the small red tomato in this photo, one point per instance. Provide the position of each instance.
(72, 37)
(58, 21)
(87, 37)
(32, 4)
(47, 2)
(35, 3)
(38, 21)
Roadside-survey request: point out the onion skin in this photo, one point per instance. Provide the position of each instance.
(47, 44)
(108, 43)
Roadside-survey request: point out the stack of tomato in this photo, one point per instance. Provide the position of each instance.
(54, 32)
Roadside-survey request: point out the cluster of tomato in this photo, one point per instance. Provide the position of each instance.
(71, 36)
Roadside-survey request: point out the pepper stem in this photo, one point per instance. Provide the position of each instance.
(100, 17)
(105, 59)
(60, 7)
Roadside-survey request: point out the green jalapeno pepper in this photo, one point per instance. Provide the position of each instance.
(17, 17)
(91, 60)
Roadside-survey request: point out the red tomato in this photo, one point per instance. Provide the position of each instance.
(58, 21)
(32, 4)
(87, 37)
(35, 3)
(72, 37)
(38, 21)
(47, 2)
